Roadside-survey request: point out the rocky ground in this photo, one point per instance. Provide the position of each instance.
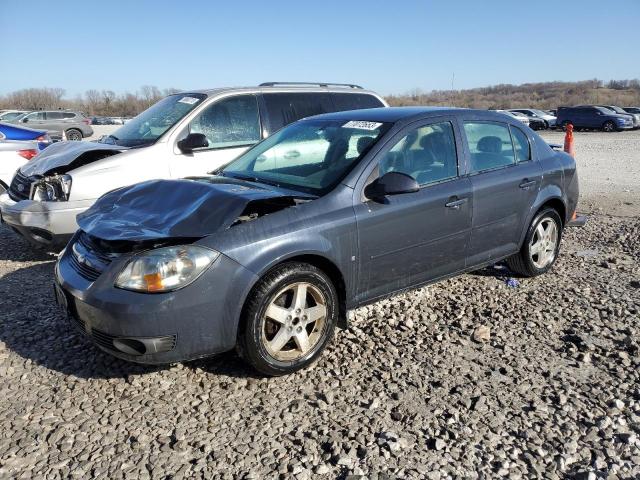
(468, 378)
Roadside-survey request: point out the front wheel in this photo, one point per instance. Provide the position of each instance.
(289, 319)
(609, 126)
(541, 245)
(74, 135)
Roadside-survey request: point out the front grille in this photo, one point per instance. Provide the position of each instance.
(87, 259)
(20, 188)
(103, 339)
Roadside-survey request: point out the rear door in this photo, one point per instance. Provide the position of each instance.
(412, 238)
(231, 125)
(505, 178)
(283, 108)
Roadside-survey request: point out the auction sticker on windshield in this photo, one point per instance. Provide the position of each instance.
(188, 100)
(362, 125)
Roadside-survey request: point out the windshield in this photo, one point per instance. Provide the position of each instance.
(311, 156)
(540, 113)
(151, 124)
(617, 109)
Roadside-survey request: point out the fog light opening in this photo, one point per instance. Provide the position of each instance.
(130, 346)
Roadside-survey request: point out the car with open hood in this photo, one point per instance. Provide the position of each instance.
(189, 133)
(328, 214)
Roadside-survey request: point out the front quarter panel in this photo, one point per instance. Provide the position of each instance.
(324, 228)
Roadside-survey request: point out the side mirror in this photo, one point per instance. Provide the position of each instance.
(193, 141)
(391, 183)
(25, 120)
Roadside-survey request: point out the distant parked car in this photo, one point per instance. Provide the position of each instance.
(548, 119)
(8, 115)
(13, 155)
(518, 116)
(75, 125)
(592, 117)
(622, 111)
(632, 109)
(102, 121)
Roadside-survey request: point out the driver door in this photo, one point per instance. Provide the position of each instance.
(231, 125)
(412, 238)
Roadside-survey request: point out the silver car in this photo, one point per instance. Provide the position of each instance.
(74, 125)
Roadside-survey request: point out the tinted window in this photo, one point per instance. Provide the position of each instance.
(489, 144)
(521, 144)
(428, 154)
(68, 115)
(355, 101)
(230, 122)
(54, 115)
(286, 108)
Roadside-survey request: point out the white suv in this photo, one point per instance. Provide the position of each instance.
(182, 135)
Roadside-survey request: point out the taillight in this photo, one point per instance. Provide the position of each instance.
(87, 121)
(28, 154)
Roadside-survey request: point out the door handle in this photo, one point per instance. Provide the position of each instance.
(527, 184)
(292, 154)
(455, 203)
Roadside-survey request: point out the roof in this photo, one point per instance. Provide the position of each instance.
(396, 114)
(280, 87)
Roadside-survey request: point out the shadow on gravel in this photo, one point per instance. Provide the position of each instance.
(227, 364)
(15, 248)
(33, 327)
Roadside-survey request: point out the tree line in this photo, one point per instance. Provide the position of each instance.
(543, 95)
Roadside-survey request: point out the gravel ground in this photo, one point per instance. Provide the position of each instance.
(466, 378)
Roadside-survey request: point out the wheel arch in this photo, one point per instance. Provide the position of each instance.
(320, 261)
(551, 198)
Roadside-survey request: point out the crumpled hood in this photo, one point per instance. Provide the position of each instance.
(173, 208)
(61, 157)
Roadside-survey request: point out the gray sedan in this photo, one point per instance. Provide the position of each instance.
(330, 213)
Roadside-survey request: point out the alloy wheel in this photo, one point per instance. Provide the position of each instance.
(294, 321)
(544, 243)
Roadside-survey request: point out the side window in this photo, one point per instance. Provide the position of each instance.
(521, 145)
(230, 122)
(54, 115)
(35, 116)
(68, 115)
(354, 101)
(489, 145)
(428, 154)
(286, 108)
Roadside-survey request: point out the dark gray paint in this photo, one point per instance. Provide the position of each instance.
(379, 248)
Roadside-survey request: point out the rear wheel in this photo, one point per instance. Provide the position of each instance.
(289, 319)
(609, 126)
(541, 245)
(74, 135)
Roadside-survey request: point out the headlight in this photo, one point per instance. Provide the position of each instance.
(51, 189)
(165, 269)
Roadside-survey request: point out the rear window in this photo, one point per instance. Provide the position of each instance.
(68, 115)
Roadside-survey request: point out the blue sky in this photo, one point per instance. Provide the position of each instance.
(389, 46)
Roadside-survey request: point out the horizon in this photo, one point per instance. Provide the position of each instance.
(392, 50)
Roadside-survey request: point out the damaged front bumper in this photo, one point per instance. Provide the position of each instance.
(196, 321)
(43, 224)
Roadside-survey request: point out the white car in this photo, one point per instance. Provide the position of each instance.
(549, 119)
(519, 116)
(13, 155)
(184, 134)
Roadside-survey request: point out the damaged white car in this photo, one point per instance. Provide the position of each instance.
(182, 135)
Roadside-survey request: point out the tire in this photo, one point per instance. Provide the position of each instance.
(74, 135)
(274, 343)
(540, 249)
(609, 126)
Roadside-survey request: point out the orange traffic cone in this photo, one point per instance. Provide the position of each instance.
(64, 136)
(568, 140)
